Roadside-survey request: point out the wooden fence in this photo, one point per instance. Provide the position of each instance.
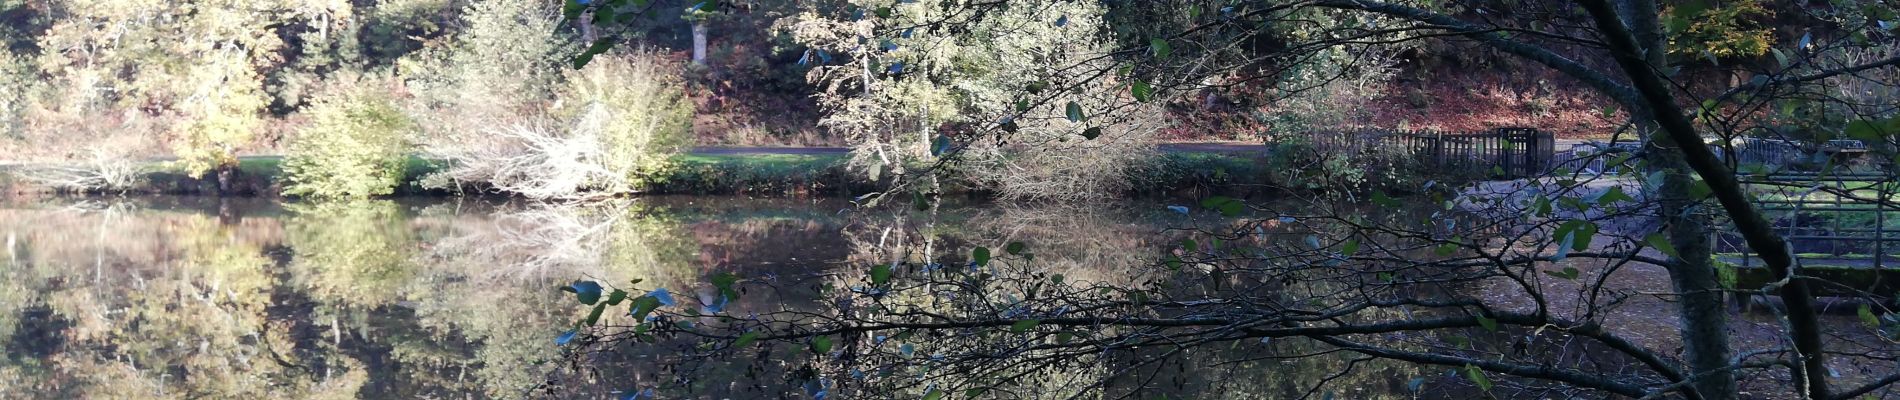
(1500, 153)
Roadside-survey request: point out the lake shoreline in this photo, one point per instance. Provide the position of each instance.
(1189, 173)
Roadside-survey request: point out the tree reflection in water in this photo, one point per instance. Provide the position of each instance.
(185, 297)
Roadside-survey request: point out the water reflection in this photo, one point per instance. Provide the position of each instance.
(191, 297)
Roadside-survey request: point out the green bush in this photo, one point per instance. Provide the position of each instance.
(638, 112)
(355, 146)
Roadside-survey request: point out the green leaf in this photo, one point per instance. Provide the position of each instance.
(572, 9)
(594, 316)
(1477, 377)
(745, 339)
(1446, 249)
(725, 282)
(614, 299)
(1092, 132)
(1142, 91)
(821, 344)
(1380, 199)
(981, 256)
(1024, 325)
(1064, 337)
(1173, 263)
(1487, 323)
(1074, 112)
(974, 393)
(1568, 273)
(1190, 245)
(1613, 195)
(919, 201)
(1726, 274)
(1576, 232)
(1349, 248)
(1022, 105)
(642, 306)
(934, 394)
(1661, 244)
(1160, 47)
(883, 12)
(1226, 205)
(880, 274)
(1015, 248)
(1867, 316)
(588, 292)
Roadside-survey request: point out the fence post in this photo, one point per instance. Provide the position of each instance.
(1504, 152)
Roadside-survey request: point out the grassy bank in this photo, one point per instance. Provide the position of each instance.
(1172, 173)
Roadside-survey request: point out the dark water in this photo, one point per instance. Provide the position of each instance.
(184, 297)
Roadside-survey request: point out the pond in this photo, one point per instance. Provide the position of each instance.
(193, 297)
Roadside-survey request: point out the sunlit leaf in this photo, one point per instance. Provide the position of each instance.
(1868, 317)
(1142, 91)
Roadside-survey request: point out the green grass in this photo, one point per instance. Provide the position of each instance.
(757, 174)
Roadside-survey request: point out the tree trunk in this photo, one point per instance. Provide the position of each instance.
(226, 175)
(1803, 325)
(699, 42)
(1704, 319)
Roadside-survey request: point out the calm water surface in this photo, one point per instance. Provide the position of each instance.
(190, 297)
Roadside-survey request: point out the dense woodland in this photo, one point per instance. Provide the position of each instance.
(1610, 275)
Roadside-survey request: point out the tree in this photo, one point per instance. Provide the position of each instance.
(356, 146)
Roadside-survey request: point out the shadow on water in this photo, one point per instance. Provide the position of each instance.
(199, 297)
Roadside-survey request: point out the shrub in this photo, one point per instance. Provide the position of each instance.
(355, 146)
(1294, 162)
(619, 122)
